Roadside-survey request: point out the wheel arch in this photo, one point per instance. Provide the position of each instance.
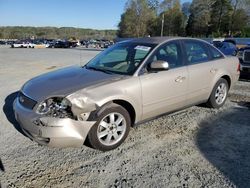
(228, 79)
(217, 78)
(124, 103)
(129, 107)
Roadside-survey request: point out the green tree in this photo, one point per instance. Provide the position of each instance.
(173, 18)
(221, 19)
(136, 19)
(200, 18)
(240, 16)
(17, 32)
(240, 11)
(186, 13)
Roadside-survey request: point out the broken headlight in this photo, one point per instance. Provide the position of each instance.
(55, 107)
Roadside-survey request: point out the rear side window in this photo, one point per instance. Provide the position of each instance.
(215, 53)
(196, 52)
(231, 45)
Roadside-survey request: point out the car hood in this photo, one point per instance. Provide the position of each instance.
(64, 82)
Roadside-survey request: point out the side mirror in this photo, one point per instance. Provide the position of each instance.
(159, 65)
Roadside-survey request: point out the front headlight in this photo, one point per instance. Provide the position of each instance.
(240, 54)
(55, 107)
(43, 108)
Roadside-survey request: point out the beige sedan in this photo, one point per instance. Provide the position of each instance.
(128, 83)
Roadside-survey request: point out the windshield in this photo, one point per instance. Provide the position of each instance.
(122, 58)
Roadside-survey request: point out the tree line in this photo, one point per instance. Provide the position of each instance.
(18, 32)
(199, 18)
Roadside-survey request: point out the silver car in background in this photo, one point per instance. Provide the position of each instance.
(128, 83)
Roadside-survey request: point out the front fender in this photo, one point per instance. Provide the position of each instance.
(90, 99)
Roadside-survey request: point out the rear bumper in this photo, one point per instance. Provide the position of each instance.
(49, 131)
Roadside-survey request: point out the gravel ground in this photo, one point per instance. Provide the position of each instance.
(195, 147)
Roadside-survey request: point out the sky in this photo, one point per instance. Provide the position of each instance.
(94, 14)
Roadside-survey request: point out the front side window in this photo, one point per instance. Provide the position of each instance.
(196, 52)
(170, 53)
(122, 58)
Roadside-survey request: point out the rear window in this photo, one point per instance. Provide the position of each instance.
(218, 44)
(215, 53)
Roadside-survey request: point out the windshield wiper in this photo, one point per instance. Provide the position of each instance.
(97, 69)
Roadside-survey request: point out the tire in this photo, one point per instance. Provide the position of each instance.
(219, 94)
(105, 135)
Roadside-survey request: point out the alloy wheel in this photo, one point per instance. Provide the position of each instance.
(111, 129)
(221, 93)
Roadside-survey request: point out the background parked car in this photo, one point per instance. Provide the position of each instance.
(228, 47)
(23, 44)
(2, 43)
(10, 42)
(62, 44)
(244, 57)
(41, 44)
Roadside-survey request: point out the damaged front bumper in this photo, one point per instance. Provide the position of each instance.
(50, 131)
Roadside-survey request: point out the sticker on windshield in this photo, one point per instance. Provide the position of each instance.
(144, 48)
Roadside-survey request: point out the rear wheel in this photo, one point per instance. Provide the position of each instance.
(111, 128)
(219, 94)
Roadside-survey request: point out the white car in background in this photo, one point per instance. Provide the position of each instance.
(23, 44)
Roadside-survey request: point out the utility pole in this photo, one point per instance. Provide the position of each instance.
(162, 24)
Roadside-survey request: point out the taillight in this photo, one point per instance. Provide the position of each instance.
(238, 68)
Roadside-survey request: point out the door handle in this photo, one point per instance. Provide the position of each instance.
(213, 70)
(180, 79)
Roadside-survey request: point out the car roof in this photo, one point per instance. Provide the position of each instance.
(158, 40)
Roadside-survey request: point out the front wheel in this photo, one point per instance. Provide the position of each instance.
(219, 94)
(111, 129)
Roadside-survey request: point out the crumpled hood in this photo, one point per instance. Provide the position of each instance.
(64, 82)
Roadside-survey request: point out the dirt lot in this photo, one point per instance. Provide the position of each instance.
(196, 147)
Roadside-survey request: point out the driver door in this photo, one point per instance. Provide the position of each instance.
(165, 91)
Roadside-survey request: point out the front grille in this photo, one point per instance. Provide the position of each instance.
(246, 70)
(246, 56)
(26, 101)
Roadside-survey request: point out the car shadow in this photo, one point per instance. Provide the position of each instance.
(1, 166)
(225, 143)
(9, 112)
(1, 169)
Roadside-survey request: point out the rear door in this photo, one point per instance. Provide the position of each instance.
(200, 69)
(165, 91)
